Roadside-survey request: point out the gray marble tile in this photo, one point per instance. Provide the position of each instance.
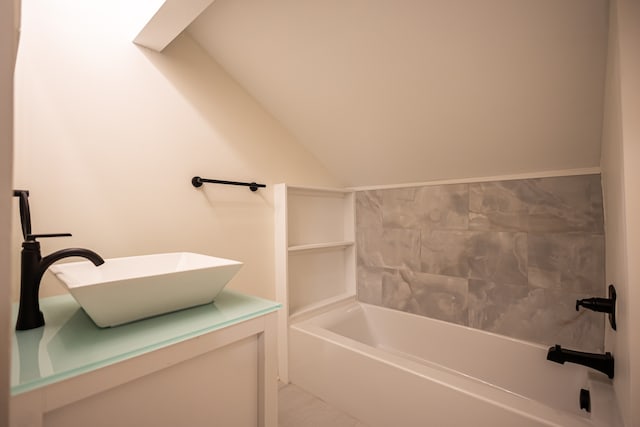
(389, 248)
(369, 284)
(544, 316)
(428, 207)
(569, 203)
(373, 207)
(392, 196)
(400, 214)
(498, 256)
(499, 205)
(510, 257)
(435, 296)
(572, 262)
(488, 301)
(368, 210)
(572, 203)
(445, 252)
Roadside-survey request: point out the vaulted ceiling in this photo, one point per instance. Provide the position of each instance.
(388, 91)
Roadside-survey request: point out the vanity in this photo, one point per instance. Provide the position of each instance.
(213, 364)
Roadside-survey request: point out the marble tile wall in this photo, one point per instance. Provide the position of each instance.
(509, 257)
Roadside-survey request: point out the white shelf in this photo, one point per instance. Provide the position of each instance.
(309, 309)
(316, 191)
(320, 246)
(315, 254)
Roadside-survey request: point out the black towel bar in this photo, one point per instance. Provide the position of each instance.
(196, 181)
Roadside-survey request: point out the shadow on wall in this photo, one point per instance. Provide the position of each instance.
(248, 130)
(109, 135)
(509, 257)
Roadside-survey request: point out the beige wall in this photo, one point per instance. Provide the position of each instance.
(415, 91)
(621, 177)
(109, 134)
(9, 22)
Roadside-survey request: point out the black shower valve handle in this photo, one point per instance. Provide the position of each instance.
(602, 305)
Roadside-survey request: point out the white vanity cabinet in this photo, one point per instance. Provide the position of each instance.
(212, 365)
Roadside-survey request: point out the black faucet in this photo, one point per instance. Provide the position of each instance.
(599, 362)
(33, 266)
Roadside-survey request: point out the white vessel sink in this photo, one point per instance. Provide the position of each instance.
(126, 289)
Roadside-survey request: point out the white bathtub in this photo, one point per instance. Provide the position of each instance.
(389, 368)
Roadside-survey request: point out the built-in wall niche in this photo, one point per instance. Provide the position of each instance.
(318, 277)
(317, 217)
(315, 253)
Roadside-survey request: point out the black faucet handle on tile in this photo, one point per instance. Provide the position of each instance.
(602, 305)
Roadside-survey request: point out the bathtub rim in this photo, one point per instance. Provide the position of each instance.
(521, 405)
(314, 323)
(317, 312)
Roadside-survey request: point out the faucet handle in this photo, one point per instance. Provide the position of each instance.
(25, 212)
(603, 305)
(33, 237)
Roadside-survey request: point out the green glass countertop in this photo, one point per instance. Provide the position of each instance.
(71, 344)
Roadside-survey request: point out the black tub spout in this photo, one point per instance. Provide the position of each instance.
(600, 362)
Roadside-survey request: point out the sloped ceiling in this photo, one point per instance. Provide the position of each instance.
(397, 91)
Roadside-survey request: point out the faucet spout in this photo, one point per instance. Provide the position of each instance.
(600, 362)
(47, 261)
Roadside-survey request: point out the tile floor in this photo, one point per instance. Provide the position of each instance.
(297, 408)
